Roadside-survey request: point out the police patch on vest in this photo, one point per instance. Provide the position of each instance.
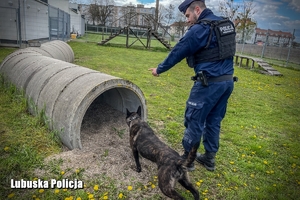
(225, 29)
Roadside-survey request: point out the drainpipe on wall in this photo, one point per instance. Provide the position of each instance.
(24, 18)
(19, 27)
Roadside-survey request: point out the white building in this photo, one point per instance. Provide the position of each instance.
(22, 21)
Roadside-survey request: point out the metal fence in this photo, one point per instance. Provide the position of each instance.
(59, 24)
(13, 30)
(284, 56)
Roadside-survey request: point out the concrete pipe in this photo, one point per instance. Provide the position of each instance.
(64, 91)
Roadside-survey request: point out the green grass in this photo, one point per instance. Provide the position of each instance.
(259, 146)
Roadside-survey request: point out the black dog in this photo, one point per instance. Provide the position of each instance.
(171, 167)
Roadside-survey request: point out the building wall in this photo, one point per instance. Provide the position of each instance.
(8, 21)
(61, 4)
(35, 24)
(33, 17)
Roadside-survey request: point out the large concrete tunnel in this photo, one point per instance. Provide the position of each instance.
(64, 91)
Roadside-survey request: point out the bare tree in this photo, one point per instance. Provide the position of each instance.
(105, 10)
(169, 16)
(241, 14)
(93, 12)
(228, 9)
(180, 24)
(161, 15)
(100, 11)
(244, 22)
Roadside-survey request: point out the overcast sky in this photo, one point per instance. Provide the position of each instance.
(278, 15)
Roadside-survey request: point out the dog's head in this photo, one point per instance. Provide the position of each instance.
(133, 115)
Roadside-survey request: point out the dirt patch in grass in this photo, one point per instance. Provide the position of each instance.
(106, 151)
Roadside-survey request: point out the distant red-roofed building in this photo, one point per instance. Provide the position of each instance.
(276, 38)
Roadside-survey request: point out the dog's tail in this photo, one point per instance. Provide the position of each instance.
(190, 159)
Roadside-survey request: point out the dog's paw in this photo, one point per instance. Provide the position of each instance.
(138, 169)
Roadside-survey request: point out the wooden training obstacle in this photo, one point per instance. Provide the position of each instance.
(267, 69)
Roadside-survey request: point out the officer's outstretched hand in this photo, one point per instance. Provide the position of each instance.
(154, 73)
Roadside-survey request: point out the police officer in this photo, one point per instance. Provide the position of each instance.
(206, 105)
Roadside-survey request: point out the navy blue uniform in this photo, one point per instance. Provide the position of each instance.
(206, 105)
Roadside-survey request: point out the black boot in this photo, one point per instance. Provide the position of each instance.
(207, 160)
(190, 167)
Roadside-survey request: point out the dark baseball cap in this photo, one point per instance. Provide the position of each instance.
(184, 5)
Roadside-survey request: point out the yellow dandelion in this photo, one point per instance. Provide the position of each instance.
(294, 165)
(77, 171)
(198, 183)
(259, 147)
(62, 172)
(71, 197)
(11, 195)
(254, 136)
(96, 187)
(34, 196)
(78, 198)
(56, 191)
(91, 196)
(6, 148)
(120, 196)
(254, 127)
(155, 177)
(129, 188)
(243, 155)
(231, 162)
(205, 198)
(253, 152)
(41, 190)
(234, 170)
(201, 181)
(65, 189)
(105, 197)
(252, 175)
(219, 184)
(67, 198)
(146, 187)
(153, 186)
(257, 188)
(35, 179)
(265, 162)
(274, 185)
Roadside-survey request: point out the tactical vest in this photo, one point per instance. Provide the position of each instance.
(225, 33)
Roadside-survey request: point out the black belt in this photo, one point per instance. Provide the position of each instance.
(220, 78)
(200, 76)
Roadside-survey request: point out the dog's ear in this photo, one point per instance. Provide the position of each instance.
(139, 112)
(128, 113)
